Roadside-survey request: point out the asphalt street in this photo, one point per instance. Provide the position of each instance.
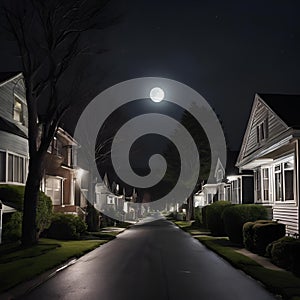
(151, 260)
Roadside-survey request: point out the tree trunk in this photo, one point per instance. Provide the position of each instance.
(29, 229)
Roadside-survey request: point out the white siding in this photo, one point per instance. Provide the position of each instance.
(274, 127)
(287, 215)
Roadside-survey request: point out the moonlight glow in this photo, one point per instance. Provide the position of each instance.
(157, 94)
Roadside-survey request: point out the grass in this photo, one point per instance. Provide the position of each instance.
(24, 264)
(282, 283)
(18, 264)
(191, 227)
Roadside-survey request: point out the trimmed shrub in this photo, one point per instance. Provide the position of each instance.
(213, 217)
(43, 213)
(235, 216)
(280, 251)
(13, 195)
(294, 252)
(248, 234)
(266, 233)
(12, 230)
(204, 213)
(66, 227)
(198, 216)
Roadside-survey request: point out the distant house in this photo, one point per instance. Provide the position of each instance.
(63, 179)
(230, 184)
(240, 183)
(270, 149)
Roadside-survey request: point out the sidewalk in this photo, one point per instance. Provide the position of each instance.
(264, 261)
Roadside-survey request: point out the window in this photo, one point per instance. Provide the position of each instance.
(18, 110)
(53, 189)
(110, 200)
(257, 177)
(265, 185)
(262, 184)
(2, 166)
(210, 198)
(236, 189)
(16, 168)
(55, 147)
(262, 131)
(284, 181)
(220, 175)
(278, 183)
(288, 169)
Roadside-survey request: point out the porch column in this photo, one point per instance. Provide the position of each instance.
(297, 166)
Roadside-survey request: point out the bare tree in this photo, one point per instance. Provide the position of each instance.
(49, 39)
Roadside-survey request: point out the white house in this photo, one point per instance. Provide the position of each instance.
(230, 184)
(270, 149)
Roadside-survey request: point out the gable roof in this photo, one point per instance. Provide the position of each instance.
(282, 115)
(285, 107)
(6, 76)
(9, 127)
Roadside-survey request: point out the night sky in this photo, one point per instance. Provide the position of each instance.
(226, 50)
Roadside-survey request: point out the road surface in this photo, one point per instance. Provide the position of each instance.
(151, 261)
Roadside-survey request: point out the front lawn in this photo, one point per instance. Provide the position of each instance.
(278, 282)
(18, 265)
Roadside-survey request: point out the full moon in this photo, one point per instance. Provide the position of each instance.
(157, 94)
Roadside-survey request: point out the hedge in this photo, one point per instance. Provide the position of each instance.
(213, 217)
(285, 253)
(66, 227)
(13, 195)
(248, 234)
(204, 214)
(266, 233)
(235, 216)
(198, 216)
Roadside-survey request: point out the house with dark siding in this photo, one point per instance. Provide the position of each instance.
(270, 149)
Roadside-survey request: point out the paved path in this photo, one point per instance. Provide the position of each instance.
(151, 261)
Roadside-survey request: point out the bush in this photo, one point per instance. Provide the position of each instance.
(13, 195)
(180, 216)
(266, 233)
(12, 230)
(204, 214)
(235, 216)
(213, 217)
(66, 227)
(43, 213)
(285, 253)
(294, 252)
(248, 234)
(198, 216)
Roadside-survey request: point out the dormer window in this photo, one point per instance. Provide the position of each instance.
(18, 110)
(262, 131)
